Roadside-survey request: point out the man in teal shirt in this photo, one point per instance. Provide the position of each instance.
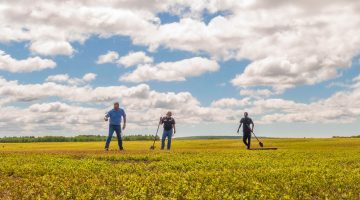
(115, 116)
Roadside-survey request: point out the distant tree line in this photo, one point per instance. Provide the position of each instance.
(207, 137)
(79, 138)
(354, 136)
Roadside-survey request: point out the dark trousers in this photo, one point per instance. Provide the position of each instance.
(247, 139)
(117, 130)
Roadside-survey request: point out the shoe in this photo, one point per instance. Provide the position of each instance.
(106, 149)
(121, 149)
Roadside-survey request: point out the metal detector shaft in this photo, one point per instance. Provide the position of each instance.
(156, 134)
(255, 136)
(253, 133)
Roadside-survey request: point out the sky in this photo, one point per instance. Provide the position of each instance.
(293, 65)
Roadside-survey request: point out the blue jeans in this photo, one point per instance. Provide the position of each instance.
(117, 129)
(166, 134)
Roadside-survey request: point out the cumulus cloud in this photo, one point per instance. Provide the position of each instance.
(132, 96)
(51, 27)
(341, 107)
(134, 58)
(49, 107)
(288, 43)
(131, 59)
(144, 105)
(51, 118)
(30, 64)
(282, 73)
(65, 78)
(256, 92)
(231, 103)
(172, 71)
(51, 48)
(109, 57)
(89, 77)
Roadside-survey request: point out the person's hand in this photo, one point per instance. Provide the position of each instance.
(106, 119)
(124, 126)
(238, 131)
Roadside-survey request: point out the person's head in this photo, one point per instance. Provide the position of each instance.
(246, 114)
(116, 105)
(168, 114)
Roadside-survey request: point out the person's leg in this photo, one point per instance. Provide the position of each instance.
(163, 140)
(111, 132)
(118, 135)
(169, 135)
(249, 140)
(244, 139)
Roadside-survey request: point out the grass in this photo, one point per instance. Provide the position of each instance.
(194, 169)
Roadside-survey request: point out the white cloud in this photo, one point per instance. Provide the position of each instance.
(338, 84)
(50, 48)
(131, 59)
(52, 118)
(256, 93)
(282, 73)
(65, 78)
(49, 107)
(51, 27)
(134, 58)
(231, 103)
(357, 78)
(172, 71)
(289, 43)
(58, 78)
(89, 77)
(30, 64)
(341, 107)
(109, 57)
(144, 106)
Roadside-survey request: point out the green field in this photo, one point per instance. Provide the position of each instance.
(194, 169)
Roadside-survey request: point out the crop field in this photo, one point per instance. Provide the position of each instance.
(193, 169)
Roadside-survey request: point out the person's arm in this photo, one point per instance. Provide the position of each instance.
(174, 127)
(106, 118)
(239, 126)
(124, 125)
(161, 120)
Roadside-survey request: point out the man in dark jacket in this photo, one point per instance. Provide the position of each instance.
(169, 129)
(246, 122)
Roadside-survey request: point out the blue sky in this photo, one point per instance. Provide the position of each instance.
(207, 63)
